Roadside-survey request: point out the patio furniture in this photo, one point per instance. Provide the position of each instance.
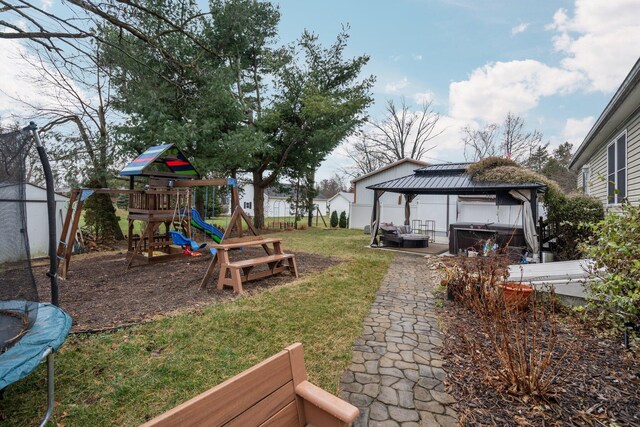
(273, 392)
(402, 236)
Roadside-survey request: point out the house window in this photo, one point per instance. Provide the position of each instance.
(617, 169)
(586, 176)
(247, 205)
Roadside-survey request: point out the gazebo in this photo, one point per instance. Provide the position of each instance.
(453, 179)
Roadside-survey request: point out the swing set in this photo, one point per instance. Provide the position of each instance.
(163, 210)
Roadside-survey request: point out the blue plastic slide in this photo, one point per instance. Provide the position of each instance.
(180, 240)
(200, 224)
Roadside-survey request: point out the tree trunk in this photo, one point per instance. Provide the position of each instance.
(199, 201)
(258, 201)
(310, 194)
(104, 216)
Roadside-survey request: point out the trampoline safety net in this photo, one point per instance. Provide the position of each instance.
(18, 292)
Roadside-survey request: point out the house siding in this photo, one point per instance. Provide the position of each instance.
(598, 164)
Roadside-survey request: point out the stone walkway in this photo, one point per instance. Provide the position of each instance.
(396, 378)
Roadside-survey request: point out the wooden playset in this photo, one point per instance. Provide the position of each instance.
(163, 211)
(275, 392)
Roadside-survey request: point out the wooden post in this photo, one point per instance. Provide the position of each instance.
(236, 197)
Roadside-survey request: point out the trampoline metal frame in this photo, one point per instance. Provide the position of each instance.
(49, 354)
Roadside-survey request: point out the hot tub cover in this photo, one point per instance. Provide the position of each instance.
(49, 331)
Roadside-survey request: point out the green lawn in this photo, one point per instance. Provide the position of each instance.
(125, 377)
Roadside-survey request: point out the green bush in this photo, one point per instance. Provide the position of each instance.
(334, 219)
(615, 250)
(100, 218)
(570, 218)
(343, 220)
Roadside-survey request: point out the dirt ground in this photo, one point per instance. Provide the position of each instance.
(599, 383)
(100, 293)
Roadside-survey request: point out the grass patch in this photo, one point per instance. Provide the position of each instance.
(126, 377)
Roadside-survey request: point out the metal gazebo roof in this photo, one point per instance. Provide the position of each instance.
(168, 155)
(449, 178)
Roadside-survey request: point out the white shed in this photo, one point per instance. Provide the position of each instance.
(340, 202)
(37, 220)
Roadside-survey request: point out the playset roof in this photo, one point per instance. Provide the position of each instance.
(162, 160)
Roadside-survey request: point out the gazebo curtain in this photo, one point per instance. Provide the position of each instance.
(528, 221)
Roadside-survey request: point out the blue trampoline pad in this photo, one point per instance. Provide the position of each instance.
(49, 331)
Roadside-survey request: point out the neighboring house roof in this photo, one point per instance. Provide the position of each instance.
(624, 103)
(347, 196)
(170, 159)
(450, 178)
(387, 167)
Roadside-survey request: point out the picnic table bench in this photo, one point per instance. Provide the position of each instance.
(274, 392)
(235, 273)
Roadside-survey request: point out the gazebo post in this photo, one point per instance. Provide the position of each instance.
(407, 208)
(375, 217)
(534, 204)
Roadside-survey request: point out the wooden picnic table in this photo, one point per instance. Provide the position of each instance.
(235, 273)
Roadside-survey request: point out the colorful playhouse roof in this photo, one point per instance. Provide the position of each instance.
(162, 160)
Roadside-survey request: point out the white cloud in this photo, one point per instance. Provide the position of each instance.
(13, 71)
(20, 79)
(423, 97)
(46, 4)
(496, 89)
(448, 144)
(520, 28)
(397, 86)
(417, 57)
(599, 40)
(575, 130)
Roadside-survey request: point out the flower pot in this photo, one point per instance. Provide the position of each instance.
(516, 295)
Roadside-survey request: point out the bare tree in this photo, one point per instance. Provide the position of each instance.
(510, 140)
(55, 32)
(76, 109)
(480, 143)
(402, 134)
(364, 156)
(518, 142)
(332, 186)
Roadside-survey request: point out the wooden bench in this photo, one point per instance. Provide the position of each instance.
(241, 271)
(274, 392)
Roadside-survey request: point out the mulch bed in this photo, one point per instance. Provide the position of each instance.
(100, 293)
(600, 385)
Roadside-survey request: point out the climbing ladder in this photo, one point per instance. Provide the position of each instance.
(69, 230)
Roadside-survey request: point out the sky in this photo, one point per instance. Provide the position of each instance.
(556, 63)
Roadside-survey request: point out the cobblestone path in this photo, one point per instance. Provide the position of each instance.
(396, 378)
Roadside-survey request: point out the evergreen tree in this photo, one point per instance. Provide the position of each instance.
(334, 219)
(343, 220)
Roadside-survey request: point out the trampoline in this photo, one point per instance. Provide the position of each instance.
(30, 330)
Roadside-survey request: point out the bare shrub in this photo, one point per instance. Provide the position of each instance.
(518, 347)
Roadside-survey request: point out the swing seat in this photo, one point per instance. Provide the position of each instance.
(180, 240)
